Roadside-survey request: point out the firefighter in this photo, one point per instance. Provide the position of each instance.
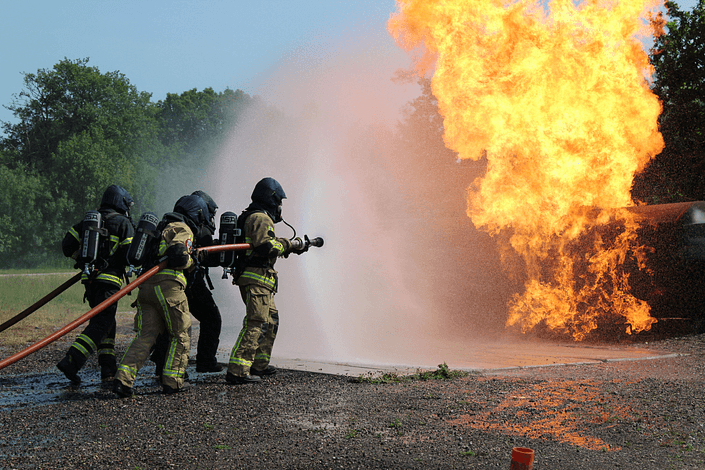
(257, 280)
(200, 302)
(162, 306)
(102, 278)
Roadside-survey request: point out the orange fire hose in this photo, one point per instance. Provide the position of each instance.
(107, 302)
(40, 303)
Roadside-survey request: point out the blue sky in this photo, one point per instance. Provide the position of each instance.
(174, 46)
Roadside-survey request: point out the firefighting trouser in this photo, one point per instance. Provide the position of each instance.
(100, 333)
(203, 307)
(161, 308)
(253, 348)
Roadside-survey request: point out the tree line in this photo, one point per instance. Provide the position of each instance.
(79, 130)
(677, 174)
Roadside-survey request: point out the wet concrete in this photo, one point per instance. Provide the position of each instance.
(486, 358)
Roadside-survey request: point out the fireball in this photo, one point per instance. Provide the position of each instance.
(555, 96)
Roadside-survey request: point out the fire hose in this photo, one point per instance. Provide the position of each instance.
(40, 303)
(106, 303)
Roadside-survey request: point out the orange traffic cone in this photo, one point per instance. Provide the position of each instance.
(522, 459)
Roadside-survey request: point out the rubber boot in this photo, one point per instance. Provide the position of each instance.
(70, 365)
(122, 390)
(237, 380)
(269, 370)
(208, 368)
(108, 367)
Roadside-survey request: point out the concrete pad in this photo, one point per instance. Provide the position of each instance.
(485, 358)
(340, 368)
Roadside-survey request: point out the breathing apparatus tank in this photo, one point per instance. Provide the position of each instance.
(90, 240)
(145, 234)
(227, 234)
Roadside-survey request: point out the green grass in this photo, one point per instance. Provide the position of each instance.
(62, 269)
(18, 290)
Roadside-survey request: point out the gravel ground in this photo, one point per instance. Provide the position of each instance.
(636, 414)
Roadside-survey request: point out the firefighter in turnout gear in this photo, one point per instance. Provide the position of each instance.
(162, 306)
(250, 356)
(200, 302)
(102, 277)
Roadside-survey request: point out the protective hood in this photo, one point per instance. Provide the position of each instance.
(268, 195)
(194, 209)
(212, 209)
(116, 197)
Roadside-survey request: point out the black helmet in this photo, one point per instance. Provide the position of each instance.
(116, 197)
(212, 208)
(195, 210)
(269, 194)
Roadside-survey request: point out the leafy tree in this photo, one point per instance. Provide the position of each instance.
(678, 58)
(79, 131)
(189, 120)
(27, 215)
(192, 127)
(71, 99)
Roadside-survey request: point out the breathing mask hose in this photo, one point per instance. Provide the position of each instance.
(291, 227)
(303, 245)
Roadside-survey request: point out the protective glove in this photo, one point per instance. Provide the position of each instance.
(208, 259)
(298, 246)
(176, 256)
(200, 256)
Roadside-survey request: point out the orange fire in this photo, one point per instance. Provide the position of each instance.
(554, 95)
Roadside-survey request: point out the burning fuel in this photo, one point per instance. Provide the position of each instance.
(554, 95)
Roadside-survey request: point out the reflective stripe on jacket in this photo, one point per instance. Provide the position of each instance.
(175, 232)
(120, 233)
(266, 247)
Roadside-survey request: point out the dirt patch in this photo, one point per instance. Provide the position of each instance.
(646, 413)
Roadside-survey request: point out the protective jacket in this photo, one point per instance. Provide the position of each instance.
(110, 267)
(104, 281)
(176, 233)
(259, 262)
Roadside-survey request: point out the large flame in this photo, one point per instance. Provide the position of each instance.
(555, 96)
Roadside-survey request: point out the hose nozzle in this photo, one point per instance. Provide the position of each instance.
(317, 242)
